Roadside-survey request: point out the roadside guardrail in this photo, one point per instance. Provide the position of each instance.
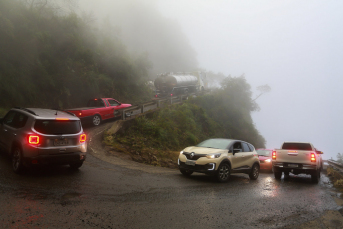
(133, 111)
(336, 164)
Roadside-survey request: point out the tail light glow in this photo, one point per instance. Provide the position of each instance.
(274, 155)
(33, 139)
(83, 138)
(80, 114)
(313, 157)
(171, 94)
(62, 119)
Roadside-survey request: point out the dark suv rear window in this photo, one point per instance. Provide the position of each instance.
(58, 126)
(296, 146)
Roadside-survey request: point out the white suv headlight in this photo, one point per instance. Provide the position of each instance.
(211, 156)
(181, 152)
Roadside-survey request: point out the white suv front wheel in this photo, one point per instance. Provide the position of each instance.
(223, 172)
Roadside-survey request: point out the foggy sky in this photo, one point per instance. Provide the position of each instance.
(293, 46)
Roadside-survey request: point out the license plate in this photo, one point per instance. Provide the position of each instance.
(61, 142)
(189, 162)
(292, 165)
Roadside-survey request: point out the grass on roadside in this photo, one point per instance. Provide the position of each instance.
(336, 177)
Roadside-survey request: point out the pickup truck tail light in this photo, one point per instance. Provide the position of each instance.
(274, 155)
(313, 157)
(82, 138)
(33, 139)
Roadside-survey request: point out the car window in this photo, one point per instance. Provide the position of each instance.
(8, 120)
(15, 119)
(238, 146)
(96, 103)
(296, 146)
(57, 127)
(245, 147)
(263, 152)
(113, 102)
(252, 148)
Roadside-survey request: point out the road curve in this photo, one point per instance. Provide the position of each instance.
(111, 192)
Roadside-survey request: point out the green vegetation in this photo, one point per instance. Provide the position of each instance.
(336, 178)
(223, 114)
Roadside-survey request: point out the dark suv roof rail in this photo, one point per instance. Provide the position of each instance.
(56, 109)
(27, 110)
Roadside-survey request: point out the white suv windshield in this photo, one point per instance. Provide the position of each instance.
(57, 126)
(215, 143)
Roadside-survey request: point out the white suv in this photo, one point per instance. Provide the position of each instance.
(220, 157)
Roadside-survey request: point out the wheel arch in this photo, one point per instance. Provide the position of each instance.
(227, 161)
(13, 146)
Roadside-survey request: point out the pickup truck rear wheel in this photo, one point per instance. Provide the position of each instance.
(277, 175)
(315, 176)
(96, 120)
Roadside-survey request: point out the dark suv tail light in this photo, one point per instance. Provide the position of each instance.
(33, 139)
(313, 157)
(82, 138)
(274, 155)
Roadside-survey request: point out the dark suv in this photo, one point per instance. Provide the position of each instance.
(34, 136)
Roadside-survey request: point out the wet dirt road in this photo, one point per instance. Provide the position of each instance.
(109, 192)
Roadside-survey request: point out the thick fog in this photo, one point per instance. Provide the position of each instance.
(293, 46)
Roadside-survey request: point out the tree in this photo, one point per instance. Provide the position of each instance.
(340, 158)
(263, 89)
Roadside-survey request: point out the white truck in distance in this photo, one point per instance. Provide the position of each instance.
(297, 158)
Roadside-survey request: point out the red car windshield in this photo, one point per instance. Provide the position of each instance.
(263, 152)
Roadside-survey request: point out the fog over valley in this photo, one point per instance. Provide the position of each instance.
(294, 47)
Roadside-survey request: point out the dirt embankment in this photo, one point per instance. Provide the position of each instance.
(144, 154)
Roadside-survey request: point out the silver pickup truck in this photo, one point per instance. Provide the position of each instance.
(297, 158)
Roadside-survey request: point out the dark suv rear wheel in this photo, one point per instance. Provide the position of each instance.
(17, 160)
(223, 172)
(76, 165)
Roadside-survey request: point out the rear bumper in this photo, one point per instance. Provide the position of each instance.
(294, 167)
(55, 159)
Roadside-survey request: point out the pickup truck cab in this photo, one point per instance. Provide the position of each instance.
(297, 158)
(99, 109)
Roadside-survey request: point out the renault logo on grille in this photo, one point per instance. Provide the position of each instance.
(192, 154)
